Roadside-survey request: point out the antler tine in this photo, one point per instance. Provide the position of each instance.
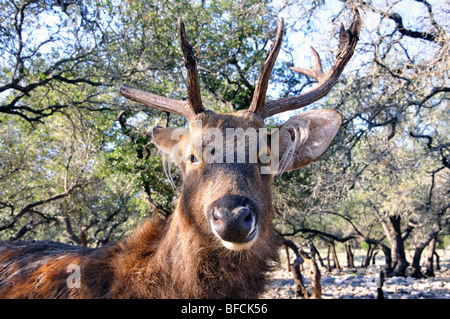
(259, 96)
(191, 66)
(316, 72)
(187, 109)
(166, 104)
(326, 81)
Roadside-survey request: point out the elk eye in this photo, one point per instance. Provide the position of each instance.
(193, 159)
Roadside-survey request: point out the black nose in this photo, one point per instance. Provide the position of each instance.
(234, 224)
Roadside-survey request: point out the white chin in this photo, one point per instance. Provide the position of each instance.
(241, 246)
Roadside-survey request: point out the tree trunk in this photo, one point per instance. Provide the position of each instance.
(328, 258)
(429, 264)
(387, 259)
(298, 278)
(416, 268)
(438, 266)
(315, 252)
(365, 263)
(295, 268)
(335, 257)
(348, 249)
(314, 272)
(374, 258)
(288, 260)
(83, 237)
(399, 262)
(416, 272)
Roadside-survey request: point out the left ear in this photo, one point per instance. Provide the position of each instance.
(305, 137)
(171, 141)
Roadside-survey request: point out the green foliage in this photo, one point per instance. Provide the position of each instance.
(75, 157)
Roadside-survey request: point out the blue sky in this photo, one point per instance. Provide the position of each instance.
(324, 39)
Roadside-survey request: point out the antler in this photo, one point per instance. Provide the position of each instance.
(187, 109)
(347, 43)
(192, 73)
(259, 96)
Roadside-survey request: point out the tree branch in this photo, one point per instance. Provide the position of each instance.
(406, 31)
(29, 208)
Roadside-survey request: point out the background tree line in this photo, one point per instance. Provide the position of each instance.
(77, 163)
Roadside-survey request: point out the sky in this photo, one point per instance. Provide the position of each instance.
(300, 40)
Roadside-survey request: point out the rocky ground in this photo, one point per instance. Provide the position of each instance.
(361, 284)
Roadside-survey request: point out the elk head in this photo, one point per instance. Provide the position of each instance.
(228, 160)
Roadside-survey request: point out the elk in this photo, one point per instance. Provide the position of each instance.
(220, 241)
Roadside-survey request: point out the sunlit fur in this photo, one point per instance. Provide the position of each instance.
(180, 257)
(176, 258)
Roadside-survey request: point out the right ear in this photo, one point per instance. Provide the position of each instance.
(171, 141)
(305, 137)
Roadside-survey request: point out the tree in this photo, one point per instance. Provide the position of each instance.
(379, 182)
(40, 60)
(77, 162)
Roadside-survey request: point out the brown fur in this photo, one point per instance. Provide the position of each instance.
(184, 257)
(152, 263)
(177, 258)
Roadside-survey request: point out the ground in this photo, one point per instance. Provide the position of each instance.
(359, 283)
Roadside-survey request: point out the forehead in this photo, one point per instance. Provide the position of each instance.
(229, 139)
(240, 119)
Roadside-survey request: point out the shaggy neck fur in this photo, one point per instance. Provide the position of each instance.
(170, 260)
(162, 259)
